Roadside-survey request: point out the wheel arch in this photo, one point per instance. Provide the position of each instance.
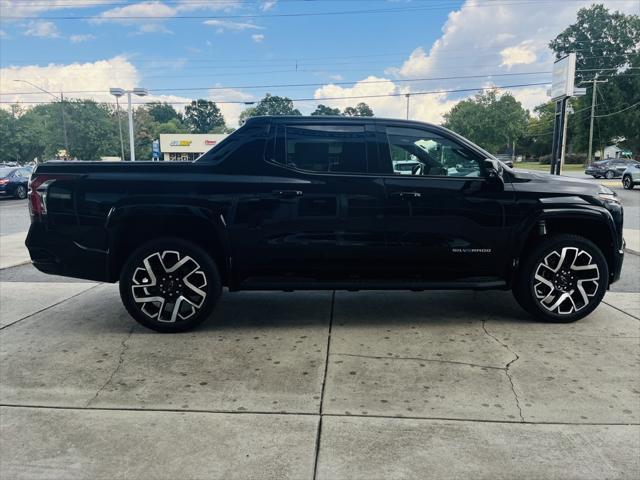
(594, 225)
(131, 226)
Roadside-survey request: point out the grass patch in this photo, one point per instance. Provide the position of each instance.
(545, 168)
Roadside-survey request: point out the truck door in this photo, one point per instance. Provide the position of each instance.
(318, 215)
(445, 220)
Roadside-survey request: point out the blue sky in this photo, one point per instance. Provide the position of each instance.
(234, 44)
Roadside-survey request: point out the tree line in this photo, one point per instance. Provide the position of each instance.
(90, 130)
(606, 45)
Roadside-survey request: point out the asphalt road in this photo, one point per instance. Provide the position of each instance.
(14, 216)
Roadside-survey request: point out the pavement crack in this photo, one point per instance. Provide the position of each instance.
(324, 382)
(123, 349)
(418, 359)
(506, 368)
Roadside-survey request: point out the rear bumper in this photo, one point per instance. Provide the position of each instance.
(55, 254)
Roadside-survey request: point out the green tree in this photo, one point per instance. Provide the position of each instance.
(606, 45)
(360, 110)
(162, 112)
(497, 123)
(324, 110)
(270, 105)
(204, 116)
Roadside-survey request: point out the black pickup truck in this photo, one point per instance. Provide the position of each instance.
(295, 203)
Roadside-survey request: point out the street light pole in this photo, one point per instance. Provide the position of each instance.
(132, 149)
(61, 99)
(119, 92)
(593, 112)
(120, 129)
(408, 95)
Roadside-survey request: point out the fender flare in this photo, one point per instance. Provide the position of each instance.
(122, 214)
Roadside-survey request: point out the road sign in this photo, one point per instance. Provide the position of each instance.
(564, 73)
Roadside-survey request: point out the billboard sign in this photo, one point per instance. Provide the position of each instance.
(564, 73)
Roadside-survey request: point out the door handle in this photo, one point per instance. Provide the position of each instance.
(406, 194)
(288, 193)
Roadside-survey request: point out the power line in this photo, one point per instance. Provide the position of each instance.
(619, 111)
(282, 15)
(293, 85)
(350, 97)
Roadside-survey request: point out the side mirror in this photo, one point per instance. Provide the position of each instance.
(493, 170)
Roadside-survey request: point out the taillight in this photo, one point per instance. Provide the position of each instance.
(38, 187)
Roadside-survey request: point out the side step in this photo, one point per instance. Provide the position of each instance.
(291, 284)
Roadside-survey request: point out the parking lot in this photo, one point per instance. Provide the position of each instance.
(326, 385)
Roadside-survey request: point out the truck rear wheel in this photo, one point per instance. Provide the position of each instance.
(563, 279)
(170, 285)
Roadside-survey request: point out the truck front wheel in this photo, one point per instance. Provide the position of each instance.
(563, 279)
(170, 285)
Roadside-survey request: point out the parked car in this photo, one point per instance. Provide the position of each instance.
(298, 203)
(608, 168)
(506, 159)
(631, 176)
(13, 181)
(405, 167)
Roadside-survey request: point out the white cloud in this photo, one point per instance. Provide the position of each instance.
(22, 8)
(223, 25)
(94, 76)
(231, 111)
(515, 42)
(41, 28)
(79, 38)
(257, 37)
(522, 54)
(93, 80)
(268, 5)
(153, 28)
(429, 108)
(136, 13)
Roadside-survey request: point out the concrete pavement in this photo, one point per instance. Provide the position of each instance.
(399, 385)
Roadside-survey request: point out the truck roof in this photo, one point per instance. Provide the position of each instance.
(332, 119)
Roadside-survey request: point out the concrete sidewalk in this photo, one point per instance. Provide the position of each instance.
(320, 385)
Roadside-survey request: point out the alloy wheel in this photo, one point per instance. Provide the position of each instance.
(21, 192)
(169, 287)
(566, 280)
(609, 175)
(626, 183)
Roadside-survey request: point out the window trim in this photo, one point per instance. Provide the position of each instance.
(386, 156)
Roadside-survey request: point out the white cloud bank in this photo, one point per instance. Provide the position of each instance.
(479, 38)
(93, 80)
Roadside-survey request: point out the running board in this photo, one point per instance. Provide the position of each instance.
(289, 285)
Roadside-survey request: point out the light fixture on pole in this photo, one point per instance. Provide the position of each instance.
(119, 92)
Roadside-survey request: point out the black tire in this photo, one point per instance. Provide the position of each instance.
(21, 192)
(609, 174)
(192, 289)
(627, 182)
(597, 176)
(538, 298)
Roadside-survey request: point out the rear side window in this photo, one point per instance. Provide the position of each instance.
(326, 148)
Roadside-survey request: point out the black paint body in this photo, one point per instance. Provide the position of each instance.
(270, 226)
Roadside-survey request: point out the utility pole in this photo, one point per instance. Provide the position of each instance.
(64, 122)
(593, 113)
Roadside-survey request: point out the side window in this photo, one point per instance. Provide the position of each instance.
(420, 152)
(326, 148)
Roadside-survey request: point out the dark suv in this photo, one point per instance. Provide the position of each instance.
(302, 203)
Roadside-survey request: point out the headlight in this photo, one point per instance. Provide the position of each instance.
(609, 197)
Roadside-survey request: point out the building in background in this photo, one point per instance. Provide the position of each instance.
(187, 146)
